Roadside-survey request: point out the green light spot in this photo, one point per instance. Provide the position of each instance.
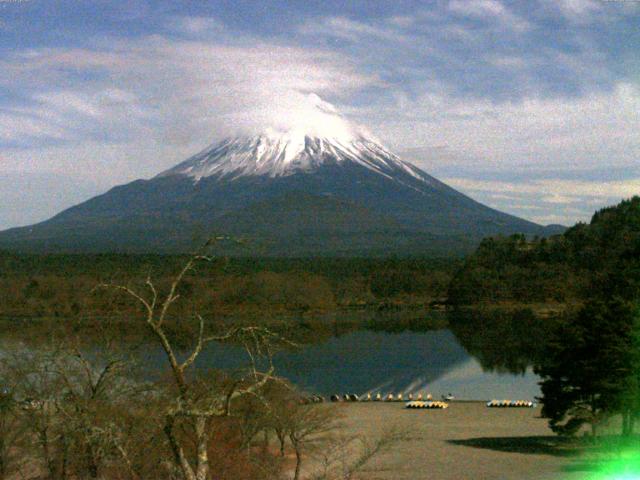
(626, 466)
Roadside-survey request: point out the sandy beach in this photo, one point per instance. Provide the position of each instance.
(465, 441)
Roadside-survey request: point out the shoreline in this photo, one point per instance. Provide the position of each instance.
(467, 440)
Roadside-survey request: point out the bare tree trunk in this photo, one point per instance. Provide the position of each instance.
(46, 450)
(296, 447)
(92, 467)
(257, 343)
(594, 428)
(626, 423)
(65, 457)
(3, 464)
(265, 441)
(179, 455)
(202, 471)
(281, 438)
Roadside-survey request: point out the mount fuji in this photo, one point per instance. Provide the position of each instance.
(317, 186)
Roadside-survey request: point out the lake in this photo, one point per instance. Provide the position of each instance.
(479, 356)
(489, 362)
(369, 362)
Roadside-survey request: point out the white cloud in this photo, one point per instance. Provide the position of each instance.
(579, 11)
(553, 219)
(99, 163)
(504, 196)
(347, 29)
(548, 200)
(592, 130)
(489, 9)
(66, 115)
(195, 25)
(402, 21)
(554, 190)
(64, 101)
(507, 61)
(17, 125)
(175, 90)
(558, 198)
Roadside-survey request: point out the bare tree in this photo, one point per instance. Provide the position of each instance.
(346, 457)
(73, 409)
(97, 392)
(11, 432)
(195, 402)
(308, 427)
(37, 391)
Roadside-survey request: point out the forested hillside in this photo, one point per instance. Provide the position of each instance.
(63, 285)
(557, 269)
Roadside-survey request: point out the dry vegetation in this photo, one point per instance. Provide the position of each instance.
(78, 407)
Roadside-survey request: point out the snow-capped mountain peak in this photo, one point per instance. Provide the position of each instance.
(311, 185)
(322, 137)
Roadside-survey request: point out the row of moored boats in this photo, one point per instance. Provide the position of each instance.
(419, 401)
(510, 404)
(390, 397)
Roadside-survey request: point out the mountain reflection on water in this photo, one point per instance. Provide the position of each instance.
(481, 356)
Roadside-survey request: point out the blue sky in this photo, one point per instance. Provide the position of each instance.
(532, 107)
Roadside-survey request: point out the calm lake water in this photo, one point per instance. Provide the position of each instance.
(365, 361)
(479, 357)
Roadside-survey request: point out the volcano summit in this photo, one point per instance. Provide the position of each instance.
(320, 187)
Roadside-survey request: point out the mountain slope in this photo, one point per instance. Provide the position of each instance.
(324, 189)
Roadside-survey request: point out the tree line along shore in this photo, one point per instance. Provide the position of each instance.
(515, 270)
(63, 285)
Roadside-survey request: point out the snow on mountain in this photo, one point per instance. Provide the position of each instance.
(321, 136)
(313, 184)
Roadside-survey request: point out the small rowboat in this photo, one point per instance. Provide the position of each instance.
(510, 404)
(427, 405)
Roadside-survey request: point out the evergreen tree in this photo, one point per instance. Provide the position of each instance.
(590, 371)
